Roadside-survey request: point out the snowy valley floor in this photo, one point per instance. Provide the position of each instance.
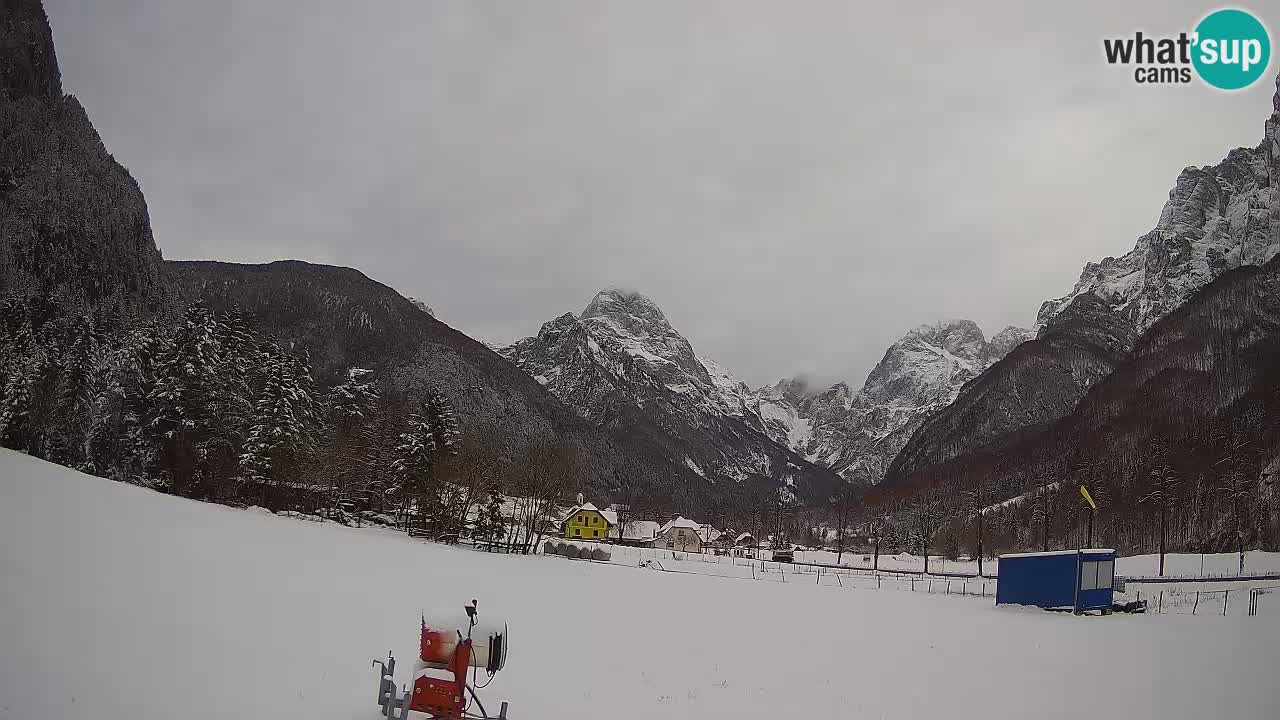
(117, 603)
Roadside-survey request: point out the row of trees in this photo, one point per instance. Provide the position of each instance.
(1213, 490)
(201, 405)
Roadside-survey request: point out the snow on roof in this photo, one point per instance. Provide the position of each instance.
(610, 516)
(680, 522)
(637, 530)
(1098, 551)
(744, 536)
(708, 533)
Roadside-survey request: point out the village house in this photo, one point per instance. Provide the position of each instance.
(638, 533)
(587, 522)
(680, 534)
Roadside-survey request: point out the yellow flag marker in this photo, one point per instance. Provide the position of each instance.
(1087, 497)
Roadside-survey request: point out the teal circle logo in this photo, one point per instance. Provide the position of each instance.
(1232, 49)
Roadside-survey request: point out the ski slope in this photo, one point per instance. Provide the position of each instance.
(117, 603)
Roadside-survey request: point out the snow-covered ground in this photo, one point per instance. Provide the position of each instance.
(118, 603)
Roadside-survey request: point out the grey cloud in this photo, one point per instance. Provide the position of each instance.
(795, 184)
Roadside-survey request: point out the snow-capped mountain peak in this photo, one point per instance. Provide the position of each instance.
(621, 360)
(858, 433)
(1217, 218)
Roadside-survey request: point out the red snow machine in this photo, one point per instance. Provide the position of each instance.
(440, 687)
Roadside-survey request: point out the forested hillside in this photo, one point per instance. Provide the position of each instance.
(344, 320)
(289, 385)
(73, 220)
(1183, 435)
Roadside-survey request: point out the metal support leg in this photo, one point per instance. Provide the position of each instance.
(405, 701)
(386, 685)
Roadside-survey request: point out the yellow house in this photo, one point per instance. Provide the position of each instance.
(587, 522)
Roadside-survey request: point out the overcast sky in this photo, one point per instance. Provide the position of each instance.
(796, 184)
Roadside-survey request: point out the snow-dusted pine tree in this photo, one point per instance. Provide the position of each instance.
(279, 429)
(490, 524)
(182, 405)
(430, 439)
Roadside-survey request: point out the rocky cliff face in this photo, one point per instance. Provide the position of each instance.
(621, 364)
(1217, 218)
(1195, 399)
(1039, 381)
(858, 433)
(74, 221)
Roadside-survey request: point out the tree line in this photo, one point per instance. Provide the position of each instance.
(199, 404)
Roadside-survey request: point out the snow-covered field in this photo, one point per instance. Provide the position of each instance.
(117, 603)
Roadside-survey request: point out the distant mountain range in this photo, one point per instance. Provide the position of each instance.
(859, 433)
(621, 365)
(1217, 218)
(1175, 334)
(621, 351)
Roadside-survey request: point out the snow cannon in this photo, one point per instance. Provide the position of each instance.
(445, 654)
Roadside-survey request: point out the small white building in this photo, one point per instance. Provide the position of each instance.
(642, 533)
(680, 534)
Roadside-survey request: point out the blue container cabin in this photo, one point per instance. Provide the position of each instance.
(1076, 579)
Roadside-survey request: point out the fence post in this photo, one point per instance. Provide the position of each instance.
(1160, 604)
(1225, 595)
(1196, 604)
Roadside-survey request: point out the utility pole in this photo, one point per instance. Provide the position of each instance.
(1084, 492)
(979, 542)
(875, 565)
(1044, 519)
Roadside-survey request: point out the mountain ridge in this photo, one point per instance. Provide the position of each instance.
(1218, 218)
(620, 359)
(345, 319)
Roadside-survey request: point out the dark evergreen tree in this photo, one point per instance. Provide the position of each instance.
(182, 406)
(279, 431)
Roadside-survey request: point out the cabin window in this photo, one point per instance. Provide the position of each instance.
(1106, 569)
(1096, 575)
(1088, 576)
(576, 532)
